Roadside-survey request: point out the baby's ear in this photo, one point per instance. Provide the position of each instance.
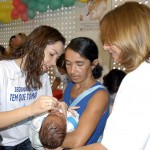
(94, 63)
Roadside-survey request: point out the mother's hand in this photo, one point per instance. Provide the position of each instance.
(72, 108)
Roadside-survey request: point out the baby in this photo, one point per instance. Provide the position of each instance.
(49, 130)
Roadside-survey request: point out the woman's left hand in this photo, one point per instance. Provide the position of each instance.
(65, 108)
(72, 108)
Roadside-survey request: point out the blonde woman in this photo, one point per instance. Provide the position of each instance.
(125, 34)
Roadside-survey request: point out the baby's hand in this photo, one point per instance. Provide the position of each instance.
(72, 108)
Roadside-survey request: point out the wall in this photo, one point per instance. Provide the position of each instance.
(67, 21)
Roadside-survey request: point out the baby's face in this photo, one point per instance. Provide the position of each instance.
(58, 117)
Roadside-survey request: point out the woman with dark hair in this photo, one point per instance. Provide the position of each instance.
(82, 65)
(20, 38)
(24, 82)
(15, 41)
(12, 44)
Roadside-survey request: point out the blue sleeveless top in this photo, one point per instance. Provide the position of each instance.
(83, 104)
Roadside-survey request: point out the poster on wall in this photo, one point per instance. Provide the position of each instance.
(90, 14)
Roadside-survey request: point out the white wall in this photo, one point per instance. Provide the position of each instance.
(64, 19)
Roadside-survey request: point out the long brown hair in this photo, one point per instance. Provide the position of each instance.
(33, 49)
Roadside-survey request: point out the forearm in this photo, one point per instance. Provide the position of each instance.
(96, 146)
(11, 117)
(41, 105)
(73, 140)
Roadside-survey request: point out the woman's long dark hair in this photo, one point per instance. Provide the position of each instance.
(33, 49)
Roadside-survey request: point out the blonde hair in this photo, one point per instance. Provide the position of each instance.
(128, 28)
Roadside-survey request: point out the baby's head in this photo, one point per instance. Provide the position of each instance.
(53, 130)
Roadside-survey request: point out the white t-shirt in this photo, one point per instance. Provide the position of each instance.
(14, 94)
(128, 127)
(36, 125)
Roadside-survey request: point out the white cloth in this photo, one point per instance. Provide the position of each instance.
(128, 127)
(36, 125)
(14, 94)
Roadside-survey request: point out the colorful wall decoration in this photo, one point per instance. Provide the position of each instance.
(26, 9)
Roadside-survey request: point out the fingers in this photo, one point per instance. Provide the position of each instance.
(45, 103)
(72, 112)
(72, 108)
(51, 103)
(64, 107)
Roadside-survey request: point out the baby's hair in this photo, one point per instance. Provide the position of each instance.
(52, 135)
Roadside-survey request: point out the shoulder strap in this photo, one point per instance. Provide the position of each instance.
(85, 93)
